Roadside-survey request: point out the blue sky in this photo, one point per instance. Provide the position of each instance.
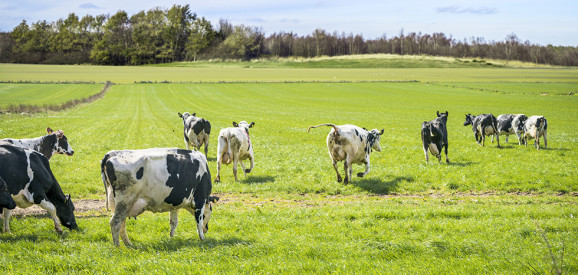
(540, 22)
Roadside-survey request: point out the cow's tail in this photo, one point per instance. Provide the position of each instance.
(325, 124)
(104, 177)
(541, 125)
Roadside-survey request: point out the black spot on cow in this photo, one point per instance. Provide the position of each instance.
(199, 126)
(356, 133)
(182, 176)
(139, 173)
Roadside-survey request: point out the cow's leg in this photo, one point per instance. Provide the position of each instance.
(425, 147)
(51, 209)
(336, 171)
(493, 138)
(124, 235)
(117, 221)
(252, 161)
(537, 142)
(361, 175)
(545, 141)
(188, 145)
(507, 136)
(218, 177)
(519, 139)
(446, 149)
(497, 140)
(207, 146)
(235, 163)
(174, 221)
(6, 216)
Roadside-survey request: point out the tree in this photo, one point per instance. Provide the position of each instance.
(200, 37)
(114, 47)
(179, 18)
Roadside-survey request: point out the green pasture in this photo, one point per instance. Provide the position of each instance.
(13, 94)
(489, 211)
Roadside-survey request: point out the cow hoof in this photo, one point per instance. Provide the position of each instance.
(360, 175)
(339, 180)
(247, 170)
(217, 180)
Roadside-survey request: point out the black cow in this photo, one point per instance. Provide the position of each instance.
(52, 143)
(482, 126)
(197, 131)
(511, 125)
(434, 136)
(30, 181)
(157, 180)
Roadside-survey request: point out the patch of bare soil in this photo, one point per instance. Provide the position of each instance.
(80, 206)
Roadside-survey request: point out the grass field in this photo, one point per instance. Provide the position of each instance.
(489, 211)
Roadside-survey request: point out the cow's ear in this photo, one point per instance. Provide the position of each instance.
(194, 114)
(49, 130)
(252, 124)
(381, 133)
(235, 124)
(180, 115)
(447, 113)
(438, 113)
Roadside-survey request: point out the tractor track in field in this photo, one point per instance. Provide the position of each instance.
(97, 207)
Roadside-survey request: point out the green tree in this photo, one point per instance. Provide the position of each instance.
(114, 48)
(200, 37)
(179, 18)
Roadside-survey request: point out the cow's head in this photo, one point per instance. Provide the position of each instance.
(6, 200)
(185, 115)
(61, 146)
(468, 120)
(244, 125)
(374, 137)
(65, 213)
(207, 211)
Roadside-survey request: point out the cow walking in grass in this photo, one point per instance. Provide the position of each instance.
(511, 125)
(536, 127)
(234, 147)
(434, 136)
(352, 145)
(157, 180)
(197, 131)
(482, 126)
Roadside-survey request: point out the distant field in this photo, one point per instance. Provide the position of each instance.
(44, 94)
(489, 211)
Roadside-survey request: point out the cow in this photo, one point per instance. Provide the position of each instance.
(536, 127)
(6, 200)
(352, 145)
(157, 180)
(234, 146)
(196, 131)
(511, 125)
(482, 126)
(30, 181)
(434, 136)
(52, 143)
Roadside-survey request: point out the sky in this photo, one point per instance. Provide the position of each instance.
(543, 22)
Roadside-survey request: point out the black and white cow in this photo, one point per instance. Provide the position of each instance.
(482, 126)
(511, 125)
(52, 143)
(535, 127)
(157, 180)
(234, 146)
(6, 200)
(352, 145)
(434, 136)
(30, 181)
(197, 131)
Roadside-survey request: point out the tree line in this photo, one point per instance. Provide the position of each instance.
(178, 34)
